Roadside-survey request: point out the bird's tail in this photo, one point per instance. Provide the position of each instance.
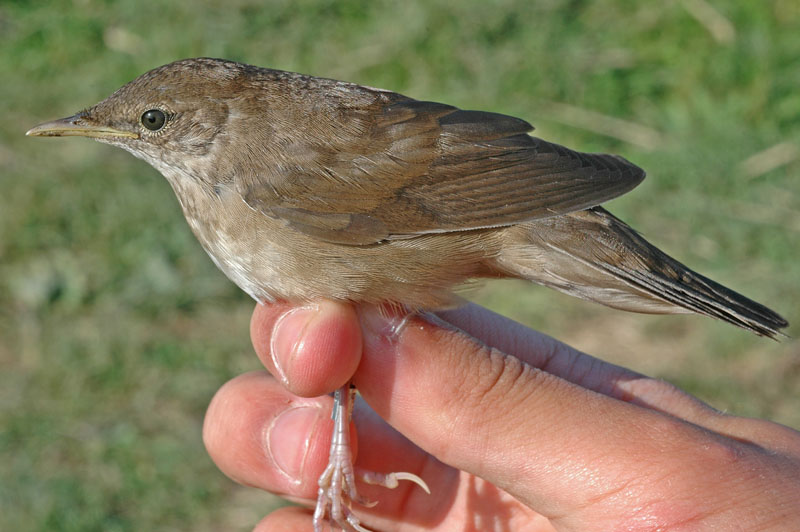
(594, 255)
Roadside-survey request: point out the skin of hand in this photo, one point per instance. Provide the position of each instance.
(511, 430)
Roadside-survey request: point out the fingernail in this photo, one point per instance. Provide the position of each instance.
(289, 438)
(287, 337)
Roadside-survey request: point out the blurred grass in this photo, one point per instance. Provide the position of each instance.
(115, 328)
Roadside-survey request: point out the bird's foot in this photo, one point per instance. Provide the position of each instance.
(337, 488)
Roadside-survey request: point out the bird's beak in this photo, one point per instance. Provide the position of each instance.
(78, 126)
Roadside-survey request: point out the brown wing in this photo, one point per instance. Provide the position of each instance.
(423, 167)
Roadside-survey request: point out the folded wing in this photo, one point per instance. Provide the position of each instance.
(424, 167)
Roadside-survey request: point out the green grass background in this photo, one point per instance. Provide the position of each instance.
(116, 329)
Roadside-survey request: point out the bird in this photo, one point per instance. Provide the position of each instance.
(301, 188)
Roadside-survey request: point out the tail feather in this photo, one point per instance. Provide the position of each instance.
(594, 255)
(696, 292)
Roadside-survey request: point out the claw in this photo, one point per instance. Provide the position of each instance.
(392, 480)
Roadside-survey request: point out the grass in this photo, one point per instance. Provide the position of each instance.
(115, 328)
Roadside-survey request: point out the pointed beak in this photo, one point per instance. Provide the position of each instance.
(78, 126)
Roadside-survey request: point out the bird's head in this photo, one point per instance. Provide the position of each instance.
(169, 116)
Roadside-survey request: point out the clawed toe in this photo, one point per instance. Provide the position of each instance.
(391, 480)
(336, 494)
(337, 489)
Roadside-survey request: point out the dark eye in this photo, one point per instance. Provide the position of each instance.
(154, 119)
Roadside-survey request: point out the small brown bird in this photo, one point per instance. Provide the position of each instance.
(302, 188)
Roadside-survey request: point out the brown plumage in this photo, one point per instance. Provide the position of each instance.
(302, 188)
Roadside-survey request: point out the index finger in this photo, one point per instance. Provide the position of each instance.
(559, 359)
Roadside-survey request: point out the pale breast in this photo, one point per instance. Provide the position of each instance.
(240, 248)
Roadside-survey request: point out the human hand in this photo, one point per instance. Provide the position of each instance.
(511, 430)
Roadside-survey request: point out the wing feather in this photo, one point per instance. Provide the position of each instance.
(426, 167)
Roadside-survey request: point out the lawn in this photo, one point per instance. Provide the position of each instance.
(116, 329)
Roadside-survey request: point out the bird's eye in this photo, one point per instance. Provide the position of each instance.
(154, 119)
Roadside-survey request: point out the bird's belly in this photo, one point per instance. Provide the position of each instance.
(278, 263)
(271, 261)
(242, 275)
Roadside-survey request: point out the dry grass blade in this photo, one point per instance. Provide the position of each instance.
(624, 130)
(767, 160)
(720, 28)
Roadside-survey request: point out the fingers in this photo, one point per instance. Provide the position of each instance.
(546, 353)
(261, 435)
(312, 349)
(482, 508)
(552, 356)
(556, 446)
(472, 406)
(539, 350)
(315, 349)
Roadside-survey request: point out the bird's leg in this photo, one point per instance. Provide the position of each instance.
(337, 487)
(337, 483)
